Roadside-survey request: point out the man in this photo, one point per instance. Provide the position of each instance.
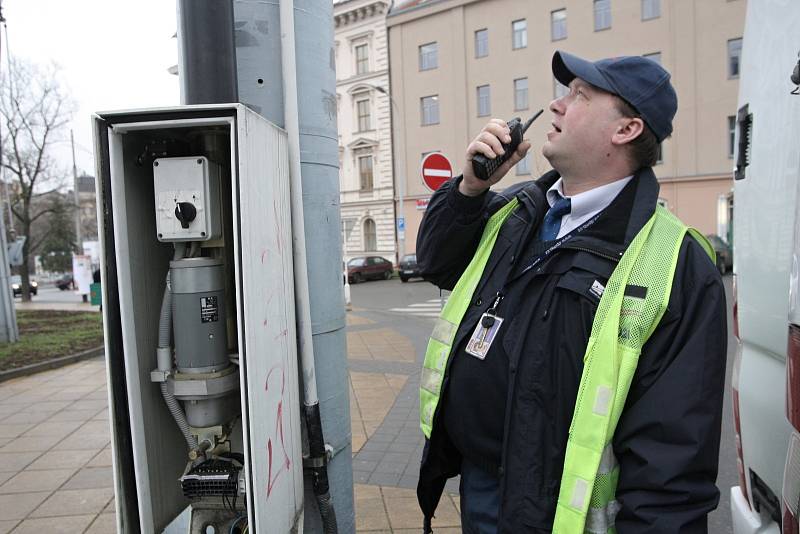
(549, 432)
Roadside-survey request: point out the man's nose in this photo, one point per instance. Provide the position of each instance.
(557, 106)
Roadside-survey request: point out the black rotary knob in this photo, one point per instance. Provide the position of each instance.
(185, 212)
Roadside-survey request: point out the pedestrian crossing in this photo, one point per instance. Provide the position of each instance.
(429, 308)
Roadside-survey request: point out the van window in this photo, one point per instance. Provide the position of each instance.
(744, 120)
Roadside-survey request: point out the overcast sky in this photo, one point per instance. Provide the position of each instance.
(113, 54)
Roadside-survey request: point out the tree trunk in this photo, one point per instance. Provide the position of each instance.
(24, 274)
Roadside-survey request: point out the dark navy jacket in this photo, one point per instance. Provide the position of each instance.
(667, 440)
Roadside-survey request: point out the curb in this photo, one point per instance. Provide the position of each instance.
(51, 364)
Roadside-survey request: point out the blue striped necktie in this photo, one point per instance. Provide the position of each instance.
(552, 219)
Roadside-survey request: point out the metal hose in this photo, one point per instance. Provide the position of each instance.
(180, 418)
(327, 513)
(165, 321)
(318, 459)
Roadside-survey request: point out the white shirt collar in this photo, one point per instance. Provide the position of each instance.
(588, 202)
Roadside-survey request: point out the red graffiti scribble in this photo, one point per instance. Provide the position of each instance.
(281, 334)
(278, 227)
(286, 462)
(266, 319)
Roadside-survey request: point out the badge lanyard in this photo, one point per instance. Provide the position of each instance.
(486, 329)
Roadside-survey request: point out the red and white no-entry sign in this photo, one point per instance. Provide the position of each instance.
(436, 170)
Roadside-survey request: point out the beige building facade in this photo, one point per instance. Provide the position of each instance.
(492, 59)
(364, 117)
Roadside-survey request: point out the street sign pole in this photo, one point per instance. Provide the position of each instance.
(9, 333)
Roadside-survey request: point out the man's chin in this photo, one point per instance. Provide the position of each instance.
(548, 151)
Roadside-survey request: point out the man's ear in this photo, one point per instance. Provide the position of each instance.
(628, 129)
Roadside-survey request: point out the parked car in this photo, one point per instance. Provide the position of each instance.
(408, 267)
(369, 267)
(16, 285)
(65, 282)
(724, 253)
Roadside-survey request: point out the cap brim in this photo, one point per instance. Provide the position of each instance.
(567, 67)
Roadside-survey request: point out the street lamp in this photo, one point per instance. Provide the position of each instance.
(400, 180)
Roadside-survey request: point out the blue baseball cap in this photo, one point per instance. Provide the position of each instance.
(641, 82)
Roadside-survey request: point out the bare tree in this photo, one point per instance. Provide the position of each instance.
(34, 110)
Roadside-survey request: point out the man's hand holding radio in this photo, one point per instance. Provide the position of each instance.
(489, 143)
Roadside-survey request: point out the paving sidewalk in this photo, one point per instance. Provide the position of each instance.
(387, 441)
(55, 460)
(68, 488)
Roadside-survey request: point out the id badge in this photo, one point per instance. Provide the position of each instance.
(482, 338)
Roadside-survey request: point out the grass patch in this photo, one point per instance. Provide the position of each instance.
(49, 334)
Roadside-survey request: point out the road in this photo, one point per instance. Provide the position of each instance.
(412, 307)
(50, 293)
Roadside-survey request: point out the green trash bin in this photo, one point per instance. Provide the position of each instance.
(97, 295)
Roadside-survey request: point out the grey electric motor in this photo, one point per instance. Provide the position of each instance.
(206, 381)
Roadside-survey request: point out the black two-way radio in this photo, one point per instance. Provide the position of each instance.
(484, 167)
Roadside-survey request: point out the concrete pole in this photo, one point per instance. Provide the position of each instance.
(261, 87)
(319, 162)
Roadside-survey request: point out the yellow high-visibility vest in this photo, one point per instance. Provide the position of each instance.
(621, 327)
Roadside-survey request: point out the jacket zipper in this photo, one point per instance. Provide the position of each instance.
(596, 252)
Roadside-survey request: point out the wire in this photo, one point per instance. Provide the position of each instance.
(235, 522)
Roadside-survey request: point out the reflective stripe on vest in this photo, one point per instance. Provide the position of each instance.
(441, 342)
(621, 327)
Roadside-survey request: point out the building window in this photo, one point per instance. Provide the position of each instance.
(370, 236)
(521, 93)
(651, 9)
(524, 165)
(559, 89)
(430, 109)
(484, 101)
(362, 106)
(660, 158)
(519, 34)
(558, 24)
(655, 56)
(362, 59)
(482, 43)
(602, 14)
(428, 56)
(365, 172)
(731, 134)
(734, 56)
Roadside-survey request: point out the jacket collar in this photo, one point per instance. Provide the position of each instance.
(624, 217)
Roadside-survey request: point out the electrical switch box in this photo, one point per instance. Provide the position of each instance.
(187, 198)
(194, 211)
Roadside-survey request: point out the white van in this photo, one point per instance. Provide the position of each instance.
(766, 226)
